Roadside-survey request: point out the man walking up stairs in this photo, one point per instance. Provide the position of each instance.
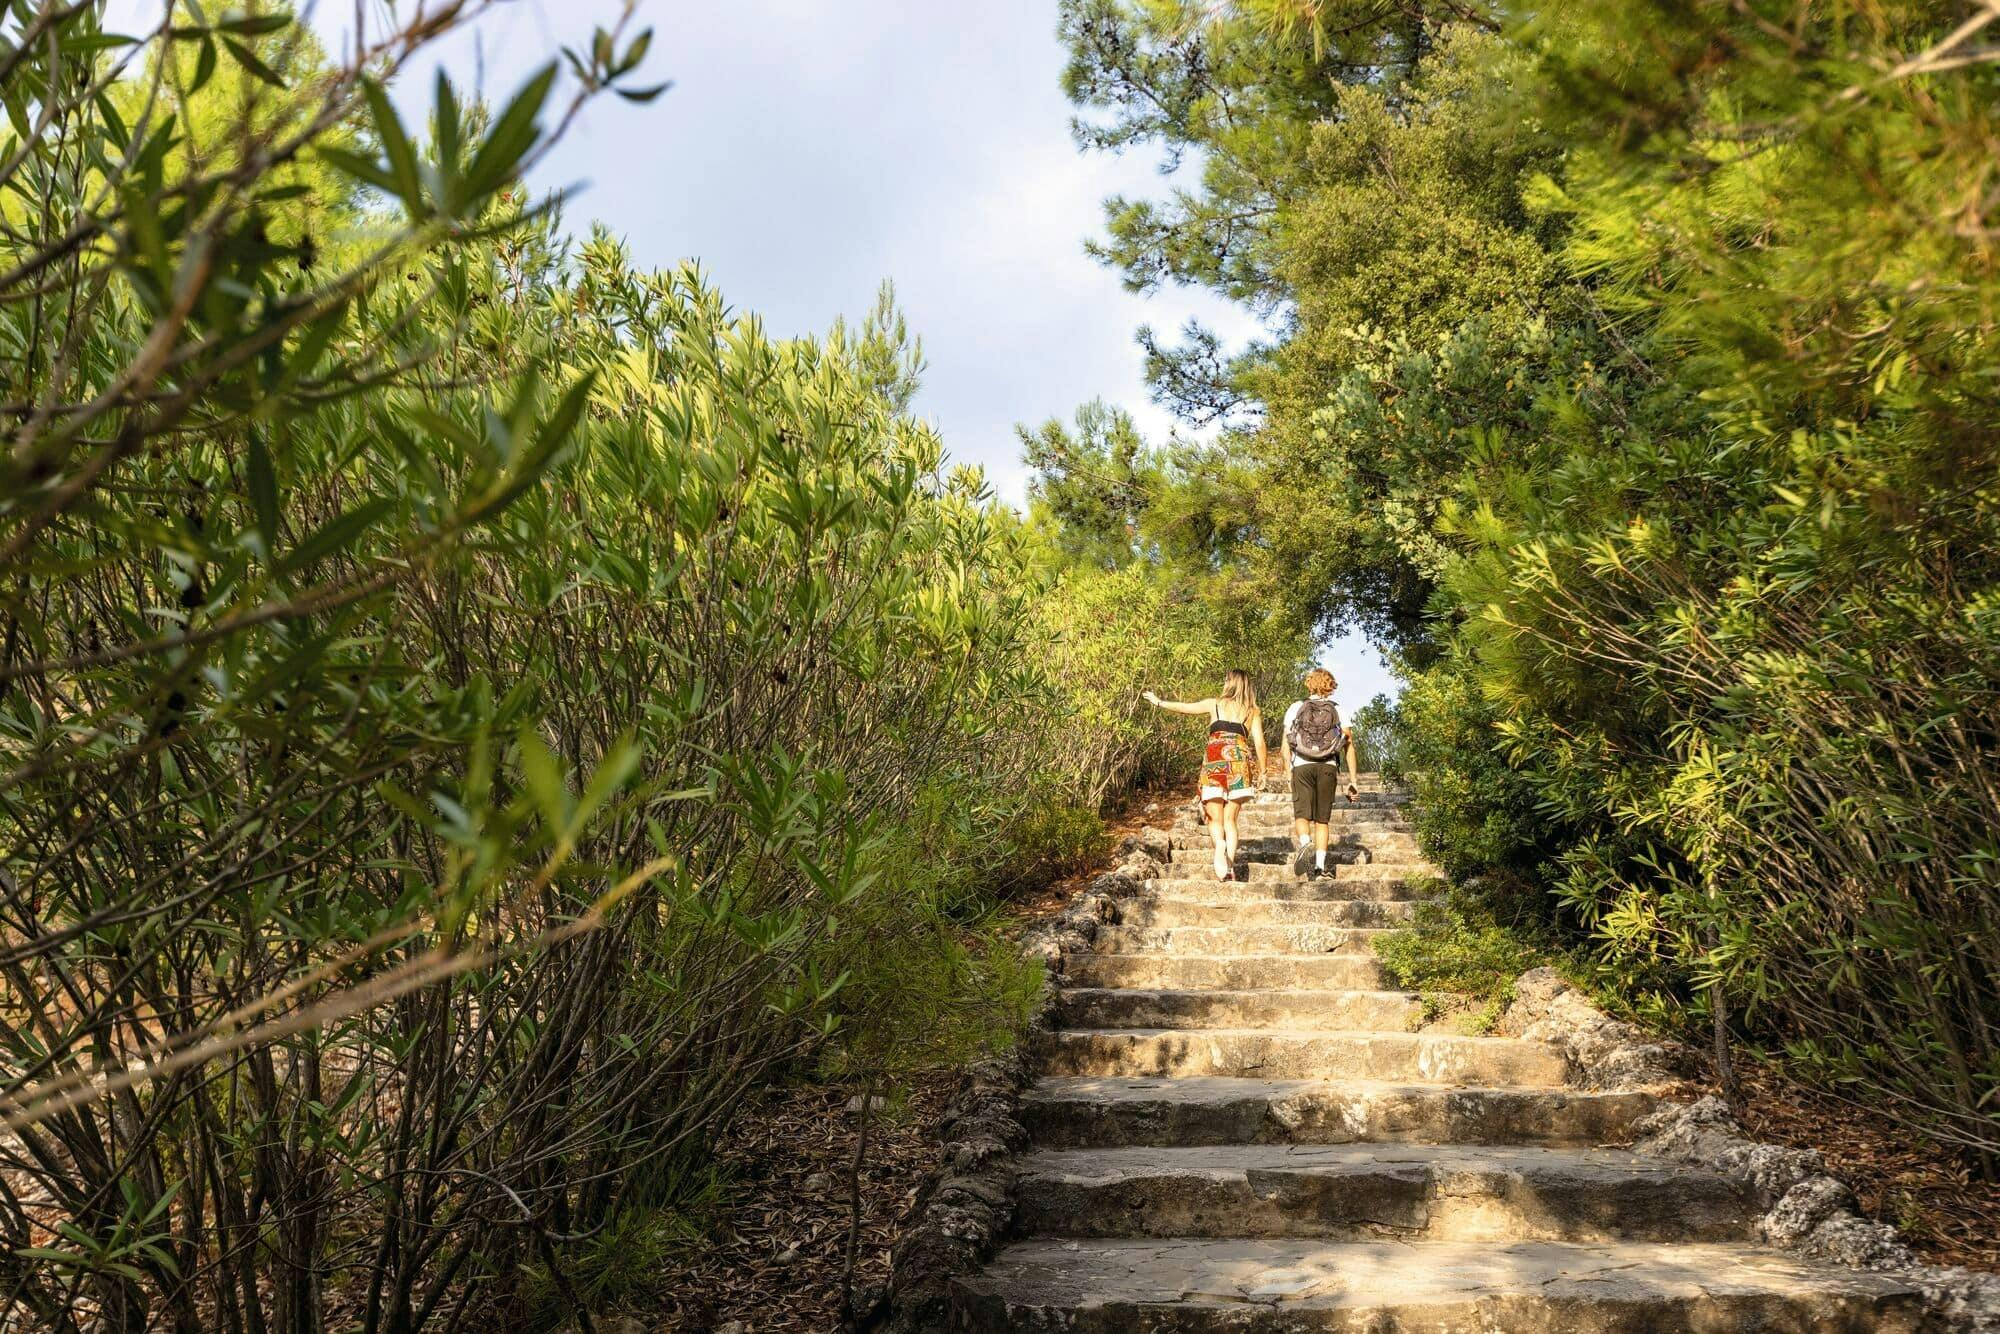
(1240, 1129)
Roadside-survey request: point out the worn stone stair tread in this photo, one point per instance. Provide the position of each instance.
(1192, 1286)
(1256, 873)
(1085, 1111)
(1314, 1009)
(1267, 912)
(1335, 889)
(1356, 1191)
(1277, 881)
(1433, 1058)
(1272, 837)
(1237, 972)
(1201, 865)
(1261, 845)
(1316, 938)
(1340, 854)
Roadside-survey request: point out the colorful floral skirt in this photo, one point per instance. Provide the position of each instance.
(1225, 773)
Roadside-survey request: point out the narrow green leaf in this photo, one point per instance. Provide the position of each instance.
(360, 168)
(514, 132)
(263, 481)
(204, 66)
(396, 144)
(336, 534)
(543, 777)
(254, 25)
(247, 58)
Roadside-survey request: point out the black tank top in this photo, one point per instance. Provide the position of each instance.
(1224, 725)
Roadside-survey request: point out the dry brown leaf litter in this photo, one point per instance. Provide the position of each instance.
(774, 1263)
(1947, 1215)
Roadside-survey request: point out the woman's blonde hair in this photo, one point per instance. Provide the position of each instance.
(1236, 686)
(1319, 681)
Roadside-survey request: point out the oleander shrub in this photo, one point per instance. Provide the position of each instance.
(460, 695)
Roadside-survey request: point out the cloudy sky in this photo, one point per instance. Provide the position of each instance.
(809, 149)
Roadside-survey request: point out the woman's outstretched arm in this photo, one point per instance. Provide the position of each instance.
(1198, 706)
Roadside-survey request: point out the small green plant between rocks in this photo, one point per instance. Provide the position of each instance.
(1459, 960)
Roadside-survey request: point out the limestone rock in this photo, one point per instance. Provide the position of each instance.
(1704, 1133)
(1603, 1052)
(1149, 841)
(1142, 866)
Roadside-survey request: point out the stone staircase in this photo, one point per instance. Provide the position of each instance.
(1241, 1128)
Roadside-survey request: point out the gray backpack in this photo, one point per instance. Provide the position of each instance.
(1316, 733)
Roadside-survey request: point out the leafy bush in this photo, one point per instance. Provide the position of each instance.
(1110, 635)
(1053, 841)
(460, 696)
(1378, 742)
(1459, 959)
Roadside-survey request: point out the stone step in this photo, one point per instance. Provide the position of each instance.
(1269, 805)
(1297, 1286)
(1413, 1058)
(1296, 1011)
(1278, 810)
(1246, 911)
(1381, 849)
(1237, 939)
(1084, 1112)
(1379, 822)
(1348, 883)
(1276, 843)
(1187, 859)
(1278, 806)
(1359, 1192)
(1336, 855)
(1232, 972)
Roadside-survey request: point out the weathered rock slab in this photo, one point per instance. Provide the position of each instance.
(1428, 1058)
(1228, 972)
(1350, 882)
(1082, 1112)
(1298, 1010)
(1361, 1191)
(1241, 912)
(1190, 1286)
(1237, 939)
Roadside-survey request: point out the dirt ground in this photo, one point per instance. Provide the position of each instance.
(1947, 1215)
(777, 1267)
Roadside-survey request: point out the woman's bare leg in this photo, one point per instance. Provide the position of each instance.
(1217, 813)
(1229, 828)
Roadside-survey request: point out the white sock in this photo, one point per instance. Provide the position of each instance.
(1319, 859)
(1305, 841)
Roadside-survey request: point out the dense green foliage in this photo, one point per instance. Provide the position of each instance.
(472, 710)
(1460, 961)
(1632, 375)
(1141, 541)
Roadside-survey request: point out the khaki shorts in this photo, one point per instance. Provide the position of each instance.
(1315, 787)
